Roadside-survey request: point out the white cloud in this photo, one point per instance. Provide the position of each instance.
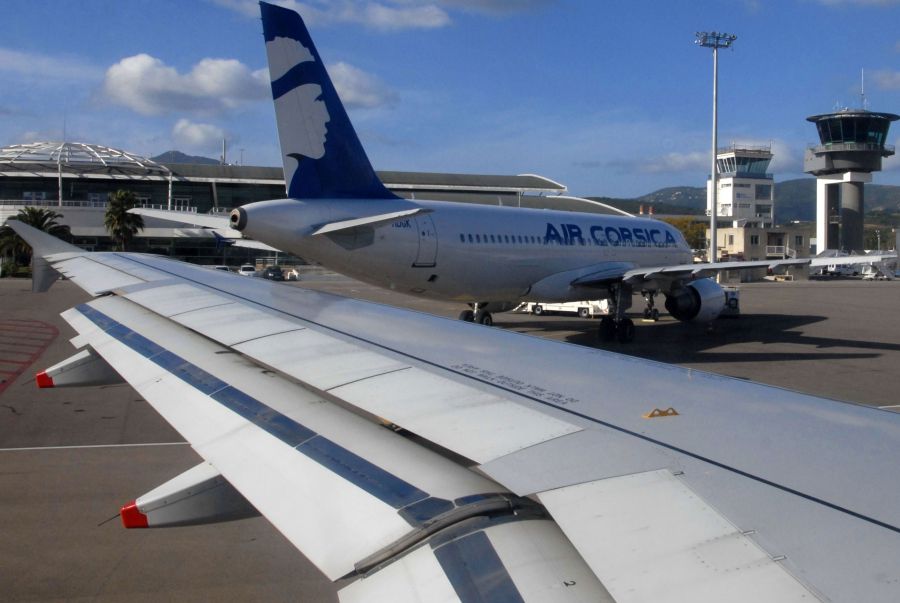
(45, 66)
(860, 2)
(358, 88)
(676, 162)
(196, 136)
(147, 85)
(497, 7)
(886, 79)
(390, 15)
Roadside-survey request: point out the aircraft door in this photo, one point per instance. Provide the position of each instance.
(427, 255)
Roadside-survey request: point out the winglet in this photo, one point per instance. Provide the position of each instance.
(42, 244)
(322, 155)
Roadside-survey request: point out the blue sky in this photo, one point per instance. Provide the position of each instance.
(609, 98)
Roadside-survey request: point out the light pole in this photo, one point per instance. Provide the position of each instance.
(715, 41)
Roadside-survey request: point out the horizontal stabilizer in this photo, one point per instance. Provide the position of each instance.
(369, 221)
(183, 217)
(218, 224)
(197, 496)
(84, 368)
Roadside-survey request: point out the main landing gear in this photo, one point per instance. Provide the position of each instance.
(616, 325)
(650, 312)
(482, 317)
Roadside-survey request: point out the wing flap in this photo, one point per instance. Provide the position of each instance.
(338, 486)
(650, 538)
(486, 560)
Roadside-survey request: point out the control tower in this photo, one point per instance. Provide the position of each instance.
(746, 191)
(852, 147)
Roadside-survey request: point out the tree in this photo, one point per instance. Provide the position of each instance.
(694, 232)
(17, 250)
(121, 225)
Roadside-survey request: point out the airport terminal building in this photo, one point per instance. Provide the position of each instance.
(75, 179)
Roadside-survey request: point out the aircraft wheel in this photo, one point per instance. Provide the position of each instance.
(625, 330)
(607, 328)
(584, 313)
(467, 316)
(538, 310)
(485, 318)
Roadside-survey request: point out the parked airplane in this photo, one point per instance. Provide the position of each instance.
(515, 469)
(494, 258)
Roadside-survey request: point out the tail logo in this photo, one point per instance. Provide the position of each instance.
(305, 114)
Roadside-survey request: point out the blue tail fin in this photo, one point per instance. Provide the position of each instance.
(322, 155)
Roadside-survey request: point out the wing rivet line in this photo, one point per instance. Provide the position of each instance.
(656, 413)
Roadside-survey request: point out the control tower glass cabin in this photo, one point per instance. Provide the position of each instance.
(852, 145)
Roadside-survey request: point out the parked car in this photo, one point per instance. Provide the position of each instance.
(273, 273)
(221, 267)
(247, 270)
(292, 275)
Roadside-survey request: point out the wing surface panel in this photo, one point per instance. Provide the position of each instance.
(476, 424)
(95, 277)
(296, 458)
(650, 538)
(493, 560)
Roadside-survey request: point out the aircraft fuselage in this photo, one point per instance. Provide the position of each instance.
(464, 252)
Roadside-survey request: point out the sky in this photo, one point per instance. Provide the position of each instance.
(610, 98)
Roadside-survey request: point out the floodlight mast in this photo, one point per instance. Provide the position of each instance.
(714, 40)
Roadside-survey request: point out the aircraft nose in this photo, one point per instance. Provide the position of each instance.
(238, 219)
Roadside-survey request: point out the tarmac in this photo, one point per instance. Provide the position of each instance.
(69, 458)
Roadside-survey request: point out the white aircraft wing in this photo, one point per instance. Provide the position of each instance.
(415, 458)
(610, 272)
(845, 260)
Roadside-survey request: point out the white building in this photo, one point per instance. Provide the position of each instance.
(746, 193)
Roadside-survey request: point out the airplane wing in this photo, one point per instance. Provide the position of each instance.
(845, 260)
(415, 458)
(613, 272)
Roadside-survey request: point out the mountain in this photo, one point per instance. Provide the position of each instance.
(794, 200)
(179, 157)
(660, 207)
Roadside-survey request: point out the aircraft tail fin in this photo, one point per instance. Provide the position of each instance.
(322, 155)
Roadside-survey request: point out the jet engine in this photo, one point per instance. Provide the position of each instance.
(701, 300)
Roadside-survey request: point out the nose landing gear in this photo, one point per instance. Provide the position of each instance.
(482, 317)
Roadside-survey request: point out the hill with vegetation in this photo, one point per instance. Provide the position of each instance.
(794, 200)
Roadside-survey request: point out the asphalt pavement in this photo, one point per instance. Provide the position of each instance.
(69, 458)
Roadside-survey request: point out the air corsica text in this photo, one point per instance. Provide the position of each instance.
(621, 236)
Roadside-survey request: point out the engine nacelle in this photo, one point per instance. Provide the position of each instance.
(701, 300)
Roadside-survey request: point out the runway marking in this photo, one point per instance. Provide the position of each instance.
(93, 446)
(29, 339)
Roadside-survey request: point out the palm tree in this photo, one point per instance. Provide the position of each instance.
(121, 225)
(14, 248)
